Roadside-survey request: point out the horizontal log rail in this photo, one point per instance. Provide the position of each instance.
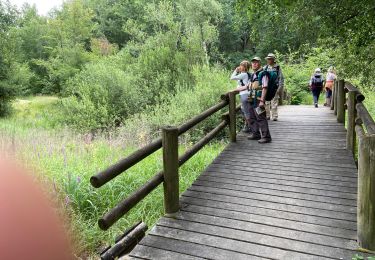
(123, 207)
(361, 127)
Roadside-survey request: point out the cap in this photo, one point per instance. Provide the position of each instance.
(271, 56)
(256, 58)
(317, 70)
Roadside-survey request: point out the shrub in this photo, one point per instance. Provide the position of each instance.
(7, 94)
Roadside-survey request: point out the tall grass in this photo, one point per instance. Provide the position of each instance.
(64, 161)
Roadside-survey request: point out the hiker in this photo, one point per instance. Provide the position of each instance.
(316, 85)
(242, 75)
(271, 106)
(258, 91)
(330, 78)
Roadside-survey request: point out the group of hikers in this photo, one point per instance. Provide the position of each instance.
(261, 89)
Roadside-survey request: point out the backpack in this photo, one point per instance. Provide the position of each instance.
(248, 78)
(317, 81)
(273, 82)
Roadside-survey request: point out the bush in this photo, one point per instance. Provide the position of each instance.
(7, 94)
(209, 84)
(100, 97)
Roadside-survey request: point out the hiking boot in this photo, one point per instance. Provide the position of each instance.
(316, 105)
(253, 137)
(264, 140)
(275, 119)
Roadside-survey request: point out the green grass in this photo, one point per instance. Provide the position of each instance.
(64, 162)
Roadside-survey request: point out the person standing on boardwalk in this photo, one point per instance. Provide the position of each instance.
(330, 78)
(257, 97)
(242, 75)
(271, 106)
(316, 85)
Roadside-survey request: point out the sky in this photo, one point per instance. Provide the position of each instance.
(43, 6)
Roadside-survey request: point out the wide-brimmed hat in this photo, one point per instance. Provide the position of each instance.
(317, 70)
(271, 56)
(256, 58)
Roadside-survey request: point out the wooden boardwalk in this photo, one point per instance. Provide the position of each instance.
(294, 198)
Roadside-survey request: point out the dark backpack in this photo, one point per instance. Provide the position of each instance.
(273, 82)
(317, 81)
(248, 78)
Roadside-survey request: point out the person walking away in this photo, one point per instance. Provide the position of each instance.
(271, 106)
(316, 85)
(330, 78)
(242, 75)
(257, 97)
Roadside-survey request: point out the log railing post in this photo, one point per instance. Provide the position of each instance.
(170, 165)
(366, 192)
(350, 133)
(333, 96)
(232, 116)
(340, 102)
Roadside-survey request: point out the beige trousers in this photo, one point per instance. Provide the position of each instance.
(271, 106)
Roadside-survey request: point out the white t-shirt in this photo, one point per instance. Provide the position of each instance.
(242, 77)
(331, 76)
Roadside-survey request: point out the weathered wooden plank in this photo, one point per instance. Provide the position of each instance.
(282, 200)
(321, 187)
(292, 167)
(332, 177)
(277, 157)
(267, 212)
(338, 239)
(239, 246)
(248, 175)
(146, 252)
(277, 187)
(193, 192)
(212, 182)
(274, 221)
(298, 248)
(192, 248)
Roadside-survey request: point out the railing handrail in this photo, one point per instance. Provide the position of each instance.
(359, 120)
(111, 172)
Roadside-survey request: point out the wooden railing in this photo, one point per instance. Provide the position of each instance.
(171, 162)
(361, 127)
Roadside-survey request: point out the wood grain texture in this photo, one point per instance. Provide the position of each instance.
(294, 198)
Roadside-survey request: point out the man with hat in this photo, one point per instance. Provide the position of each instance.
(271, 106)
(258, 90)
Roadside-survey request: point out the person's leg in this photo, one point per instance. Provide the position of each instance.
(268, 109)
(328, 97)
(245, 105)
(254, 127)
(274, 105)
(315, 97)
(264, 129)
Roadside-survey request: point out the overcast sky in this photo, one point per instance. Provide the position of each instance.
(43, 6)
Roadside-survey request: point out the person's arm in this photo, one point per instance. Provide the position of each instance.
(238, 76)
(264, 91)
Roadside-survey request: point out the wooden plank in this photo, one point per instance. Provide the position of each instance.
(194, 248)
(269, 205)
(297, 248)
(248, 175)
(274, 221)
(339, 239)
(266, 212)
(277, 187)
(146, 252)
(234, 245)
(212, 182)
(282, 200)
(321, 187)
(333, 177)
